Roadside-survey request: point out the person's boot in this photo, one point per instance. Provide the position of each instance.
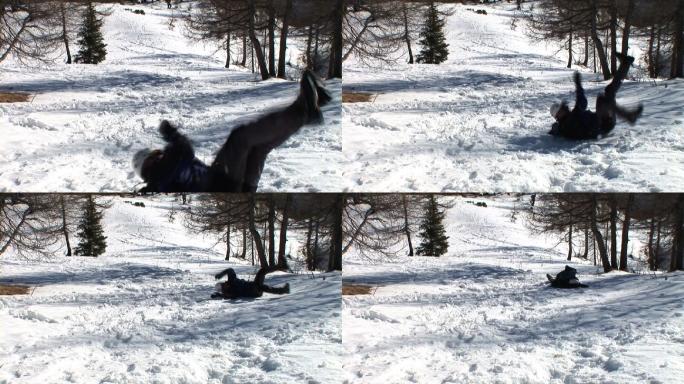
(631, 116)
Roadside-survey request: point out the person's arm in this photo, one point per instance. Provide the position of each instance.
(177, 150)
(580, 98)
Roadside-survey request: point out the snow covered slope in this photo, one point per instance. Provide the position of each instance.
(85, 123)
(479, 121)
(486, 314)
(142, 314)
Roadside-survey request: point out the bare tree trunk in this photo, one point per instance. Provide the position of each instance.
(678, 42)
(283, 40)
(15, 231)
(407, 39)
(309, 254)
(570, 50)
(309, 42)
(570, 243)
(628, 26)
(15, 41)
(227, 49)
(585, 63)
(317, 228)
(613, 37)
(649, 249)
(603, 253)
(65, 228)
(335, 68)
(282, 261)
(407, 229)
(335, 262)
(271, 41)
(271, 232)
(613, 235)
(651, 57)
(678, 255)
(261, 253)
(243, 255)
(598, 44)
(261, 60)
(227, 242)
(65, 35)
(656, 252)
(244, 51)
(586, 243)
(625, 233)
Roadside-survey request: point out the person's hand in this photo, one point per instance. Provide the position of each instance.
(167, 131)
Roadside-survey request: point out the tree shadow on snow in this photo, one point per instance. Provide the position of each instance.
(122, 271)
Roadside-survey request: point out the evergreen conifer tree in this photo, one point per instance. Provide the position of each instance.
(435, 49)
(90, 38)
(92, 240)
(434, 240)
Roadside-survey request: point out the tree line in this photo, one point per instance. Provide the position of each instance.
(596, 220)
(40, 29)
(255, 226)
(602, 28)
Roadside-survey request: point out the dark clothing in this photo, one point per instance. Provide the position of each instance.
(236, 287)
(243, 156)
(566, 279)
(582, 124)
(240, 161)
(177, 169)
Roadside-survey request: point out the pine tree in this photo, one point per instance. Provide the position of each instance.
(434, 241)
(90, 38)
(435, 49)
(92, 239)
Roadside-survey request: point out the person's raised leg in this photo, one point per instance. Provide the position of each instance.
(254, 167)
(619, 76)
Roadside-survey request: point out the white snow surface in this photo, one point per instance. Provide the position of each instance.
(485, 313)
(479, 121)
(80, 131)
(142, 314)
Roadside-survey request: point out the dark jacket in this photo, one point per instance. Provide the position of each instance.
(578, 124)
(564, 276)
(177, 169)
(236, 287)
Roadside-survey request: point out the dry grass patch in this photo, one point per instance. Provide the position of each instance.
(14, 289)
(358, 97)
(357, 289)
(14, 97)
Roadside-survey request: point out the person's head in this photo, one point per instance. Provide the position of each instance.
(144, 161)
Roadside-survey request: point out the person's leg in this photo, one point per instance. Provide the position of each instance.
(619, 76)
(630, 115)
(231, 160)
(230, 272)
(261, 274)
(254, 166)
(285, 289)
(580, 98)
(605, 113)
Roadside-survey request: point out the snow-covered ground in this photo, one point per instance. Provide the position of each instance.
(486, 314)
(142, 314)
(80, 131)
(479, 121)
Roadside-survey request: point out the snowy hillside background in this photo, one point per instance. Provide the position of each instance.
(485, 313)
(141, 313)
(479, 121)
(80, 131)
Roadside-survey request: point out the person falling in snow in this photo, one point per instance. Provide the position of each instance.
(566, 278)
(238, 164)
(236, 288)
(582, 124)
